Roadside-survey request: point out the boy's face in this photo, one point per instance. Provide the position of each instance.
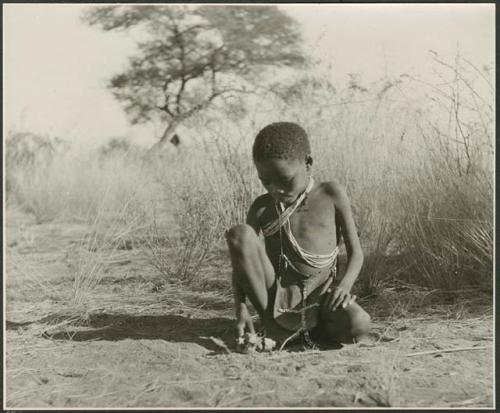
(284, 179)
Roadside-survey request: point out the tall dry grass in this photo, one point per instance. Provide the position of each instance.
(415, 157)
(108, 232)
(69, 185)
(202, 191)
(448, 230)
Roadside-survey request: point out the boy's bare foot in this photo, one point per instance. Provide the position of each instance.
(251, 342)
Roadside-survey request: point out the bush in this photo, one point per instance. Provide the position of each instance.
(27, 153)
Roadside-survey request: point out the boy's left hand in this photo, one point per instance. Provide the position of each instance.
(338, 297)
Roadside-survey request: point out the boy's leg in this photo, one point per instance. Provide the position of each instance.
(344, 325)
(253, 274)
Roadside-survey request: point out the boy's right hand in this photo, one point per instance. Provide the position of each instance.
(243, 319)
(338, 297)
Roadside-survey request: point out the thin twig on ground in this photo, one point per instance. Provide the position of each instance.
(447, 350)
(283, 354)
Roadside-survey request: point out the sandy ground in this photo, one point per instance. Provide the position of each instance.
(137, 345)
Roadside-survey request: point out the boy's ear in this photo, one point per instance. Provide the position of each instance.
(309, 161)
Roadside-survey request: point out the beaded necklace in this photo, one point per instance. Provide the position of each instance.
(313, 259)
(283, 221)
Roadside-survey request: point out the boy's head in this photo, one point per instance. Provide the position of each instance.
(281, 140)
(282, 156)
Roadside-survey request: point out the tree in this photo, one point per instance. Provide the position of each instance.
(194, 55)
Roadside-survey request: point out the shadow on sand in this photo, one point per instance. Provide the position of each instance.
(172, 328)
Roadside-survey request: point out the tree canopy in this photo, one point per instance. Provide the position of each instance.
(195, 54)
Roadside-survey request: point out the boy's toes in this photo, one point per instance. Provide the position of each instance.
(251, 342)
(240, 344)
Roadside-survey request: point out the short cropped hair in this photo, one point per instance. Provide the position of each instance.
(282, 140)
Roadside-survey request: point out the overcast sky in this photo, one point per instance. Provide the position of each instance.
(55, 68)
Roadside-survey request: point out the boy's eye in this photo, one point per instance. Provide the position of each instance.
(286, 181)
(279, 181)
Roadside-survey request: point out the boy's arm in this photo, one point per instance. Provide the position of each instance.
(350, 235)
(242, 316)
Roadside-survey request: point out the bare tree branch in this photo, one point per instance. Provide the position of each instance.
(189, 51)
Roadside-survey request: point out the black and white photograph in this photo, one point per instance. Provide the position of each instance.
(248, 206)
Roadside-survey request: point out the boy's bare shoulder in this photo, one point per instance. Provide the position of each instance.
(334, 190)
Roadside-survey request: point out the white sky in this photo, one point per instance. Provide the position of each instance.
(55, 67)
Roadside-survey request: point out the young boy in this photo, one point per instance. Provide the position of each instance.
(284, 257)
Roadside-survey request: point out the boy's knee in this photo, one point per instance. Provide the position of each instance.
(239, 235)
(360, 323)
(346, 325)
